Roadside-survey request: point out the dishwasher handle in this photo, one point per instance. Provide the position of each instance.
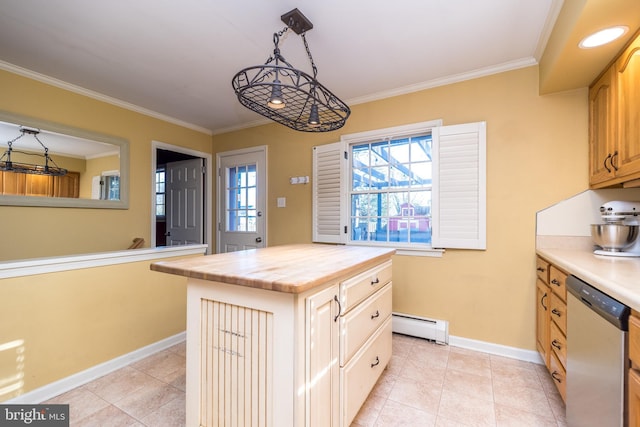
(610, 309)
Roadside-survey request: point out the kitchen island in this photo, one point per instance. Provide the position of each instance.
(293, 335)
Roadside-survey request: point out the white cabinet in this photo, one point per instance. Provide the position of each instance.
(257, 357)
(365, 344)
(322, 349)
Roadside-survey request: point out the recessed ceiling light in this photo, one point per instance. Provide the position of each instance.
(603, 37)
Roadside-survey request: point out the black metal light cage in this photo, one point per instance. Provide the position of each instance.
(310, 107)
(6, 164)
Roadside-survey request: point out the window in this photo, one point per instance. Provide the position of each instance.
(160, 193)
(390, 191)
(413, 187)
(241, 198)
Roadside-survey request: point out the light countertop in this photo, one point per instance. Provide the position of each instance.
(287, 268)
(618, 277)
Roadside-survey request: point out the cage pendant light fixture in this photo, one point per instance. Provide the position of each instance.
(48, 166)
(287, 95)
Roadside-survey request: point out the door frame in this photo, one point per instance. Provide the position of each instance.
(208, 185)
(220, 192)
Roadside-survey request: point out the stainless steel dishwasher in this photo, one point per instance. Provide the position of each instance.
(597, 357)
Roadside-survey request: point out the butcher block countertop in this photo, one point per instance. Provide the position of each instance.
(288, 268)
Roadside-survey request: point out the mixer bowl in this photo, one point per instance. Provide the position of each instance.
(614, 237)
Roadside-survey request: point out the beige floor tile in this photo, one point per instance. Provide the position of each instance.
(429, 353)
(165, 366)
(370, 411)
(395, 414)
(470, 411)
(445, 422)
(422, 396)
(179, 349)
(402, 344)
(512, 417)
(171, 414)
(148, 399)
(424, 373)
(523, 398)
(396, 364)
(384, 385)
(82, 403)
(515, 374)
(108, 417)
(468, 362)
(119, 384)
(467, 384)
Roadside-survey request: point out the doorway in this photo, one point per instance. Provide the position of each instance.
(242, 190)
(181, 205)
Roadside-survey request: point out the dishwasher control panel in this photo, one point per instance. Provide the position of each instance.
(609, 308)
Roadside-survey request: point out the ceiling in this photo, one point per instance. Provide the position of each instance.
(175, 60)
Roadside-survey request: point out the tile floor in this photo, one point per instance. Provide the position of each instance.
(425, 385)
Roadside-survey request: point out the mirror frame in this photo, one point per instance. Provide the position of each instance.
(123, 144)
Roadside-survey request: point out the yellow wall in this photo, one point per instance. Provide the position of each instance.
(71, 231)
(95, 167)
(537, 154)
(70, 321)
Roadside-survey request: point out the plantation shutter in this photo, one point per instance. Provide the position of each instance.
(459, 186)
(329, 197)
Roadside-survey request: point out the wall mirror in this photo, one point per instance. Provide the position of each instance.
(97, 165)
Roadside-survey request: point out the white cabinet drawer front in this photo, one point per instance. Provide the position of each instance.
(361, 322)
(356, 289)
(362, 372)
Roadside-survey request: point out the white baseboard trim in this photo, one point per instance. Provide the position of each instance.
(497, 349)
(76, 380)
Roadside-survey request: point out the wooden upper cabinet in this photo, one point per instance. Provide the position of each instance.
(614, 123)
(602, 127)
(20, 184)
(628, 70)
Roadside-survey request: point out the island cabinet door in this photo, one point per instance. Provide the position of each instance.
(322, 368)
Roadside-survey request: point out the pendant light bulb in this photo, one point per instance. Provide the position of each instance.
(276, 101)
(314, 119)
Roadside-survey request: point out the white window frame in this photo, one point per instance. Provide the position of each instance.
(458, 192)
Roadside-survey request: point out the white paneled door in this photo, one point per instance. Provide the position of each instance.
(242, 199)
(184, 189)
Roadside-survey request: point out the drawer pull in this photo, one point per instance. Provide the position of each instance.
(540, 269)
(375, 282)
(556, 312)
(376, 363)
(555, 282)
(542, 301)
(556, 344)
(373, 316)
(556, 376)
(335, 298)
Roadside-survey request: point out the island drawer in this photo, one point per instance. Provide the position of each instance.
(362, 372)
(359, 287)
(360, 323)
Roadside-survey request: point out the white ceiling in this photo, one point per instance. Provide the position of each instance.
(177, 58)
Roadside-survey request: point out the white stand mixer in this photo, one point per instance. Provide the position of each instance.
(621, 213)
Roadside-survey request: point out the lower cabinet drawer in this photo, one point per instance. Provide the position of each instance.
(558, 312)
(358, 325)
(558, 344)
(362, 372)
(359, 288)
(559, 375)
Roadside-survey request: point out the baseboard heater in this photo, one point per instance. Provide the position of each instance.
(421, 327)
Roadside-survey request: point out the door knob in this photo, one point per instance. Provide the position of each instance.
(258, 239)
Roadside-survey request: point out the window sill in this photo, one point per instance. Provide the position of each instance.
(405, 251)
